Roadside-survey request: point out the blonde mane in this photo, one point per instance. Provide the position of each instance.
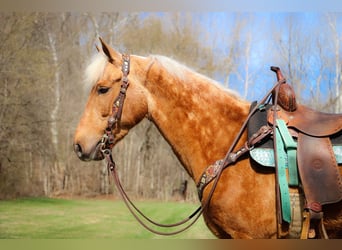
(179, 70)
(97, 64)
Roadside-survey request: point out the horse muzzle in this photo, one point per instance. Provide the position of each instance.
(95, 154)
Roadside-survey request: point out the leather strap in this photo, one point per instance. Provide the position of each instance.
(306, 225)
(291, 149)
(114, 120)
(212, 170)
(282, 179)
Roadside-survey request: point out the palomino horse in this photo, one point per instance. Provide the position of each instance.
(199, 119)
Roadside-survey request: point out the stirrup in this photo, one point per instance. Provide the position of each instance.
(310, 232)
(306, 225)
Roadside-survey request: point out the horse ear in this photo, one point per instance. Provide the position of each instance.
(110, 53)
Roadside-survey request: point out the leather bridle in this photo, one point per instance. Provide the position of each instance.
(113, 127)
(114, 120)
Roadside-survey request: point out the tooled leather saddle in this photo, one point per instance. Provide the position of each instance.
(317, 138)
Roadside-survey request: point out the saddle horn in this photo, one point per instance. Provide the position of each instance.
(286, 97)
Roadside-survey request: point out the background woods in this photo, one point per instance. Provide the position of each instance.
(43, 56)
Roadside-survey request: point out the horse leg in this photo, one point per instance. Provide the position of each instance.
(333, 220)
(216, 230)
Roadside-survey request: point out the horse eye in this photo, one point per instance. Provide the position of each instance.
(102, 90)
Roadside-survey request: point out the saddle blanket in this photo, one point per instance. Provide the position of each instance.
(265, 156)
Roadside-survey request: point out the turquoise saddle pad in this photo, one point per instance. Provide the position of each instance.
(265, 156)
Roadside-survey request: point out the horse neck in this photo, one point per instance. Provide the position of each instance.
(197, 118)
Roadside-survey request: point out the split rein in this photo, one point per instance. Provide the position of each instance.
(107, 143)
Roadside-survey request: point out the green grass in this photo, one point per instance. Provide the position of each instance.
(45, 218)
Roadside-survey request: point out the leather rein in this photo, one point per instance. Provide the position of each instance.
(113, 127)
(107, 143)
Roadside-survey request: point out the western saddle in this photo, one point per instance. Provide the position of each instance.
(305, 150)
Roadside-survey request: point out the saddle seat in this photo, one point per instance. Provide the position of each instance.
(303, 118)
(310, 121)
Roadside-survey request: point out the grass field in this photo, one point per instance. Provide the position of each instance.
(45, 218)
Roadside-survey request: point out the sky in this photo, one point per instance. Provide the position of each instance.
(269, 34)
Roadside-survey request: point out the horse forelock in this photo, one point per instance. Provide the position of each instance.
(95, 69)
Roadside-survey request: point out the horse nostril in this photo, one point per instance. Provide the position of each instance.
(78, 150)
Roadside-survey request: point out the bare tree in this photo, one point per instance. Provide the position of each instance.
(336, 49)
(42, 95)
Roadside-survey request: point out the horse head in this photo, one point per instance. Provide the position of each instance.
(105, 76)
